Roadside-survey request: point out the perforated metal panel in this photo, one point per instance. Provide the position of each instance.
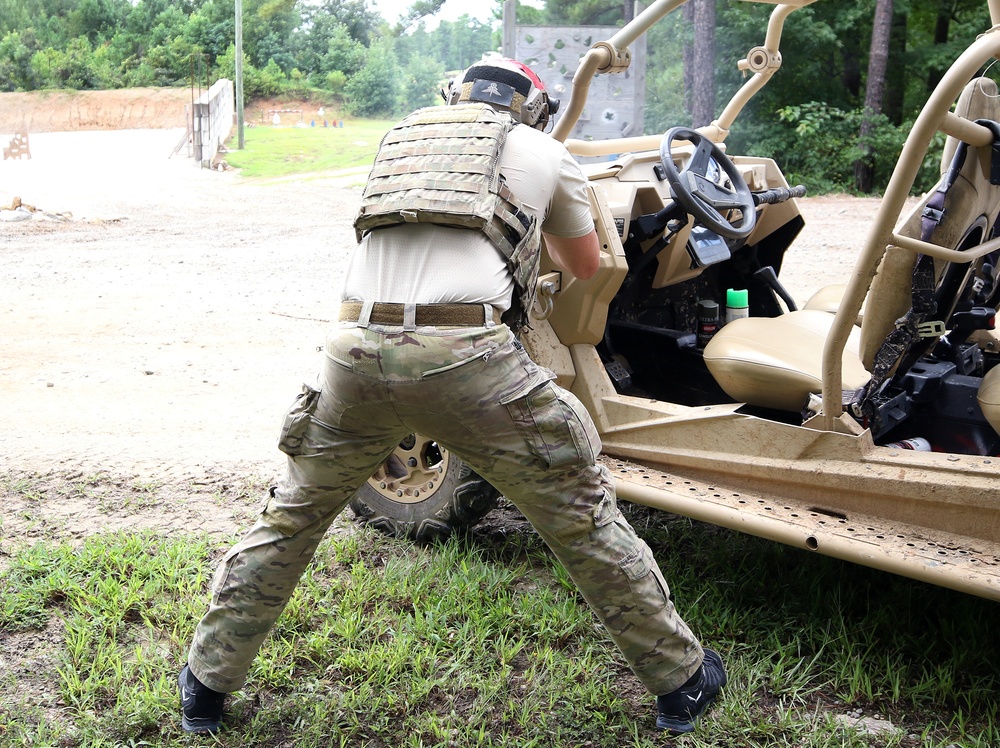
(960, 562)
(615, 106)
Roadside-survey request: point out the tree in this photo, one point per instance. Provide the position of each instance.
(15, 61)
(665, 98)
(942, 24)
(334, 22)
(209, 32)
(360, 22)
(699, 62)
(374, 90)
(343, 52)
(257, 83)
(948, 28)
(584, 12)
(422, 79)
(72, 68)
(821, 85)
(878, 59)
(462, 42)
(418, 10)
(97, 19)
(526, 15)
(894, 100)
(268, 26)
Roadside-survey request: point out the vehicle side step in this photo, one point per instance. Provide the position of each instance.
(962, 563)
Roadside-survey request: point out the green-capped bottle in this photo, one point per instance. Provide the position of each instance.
(737, 304)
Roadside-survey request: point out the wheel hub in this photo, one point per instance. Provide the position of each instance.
(412, 472)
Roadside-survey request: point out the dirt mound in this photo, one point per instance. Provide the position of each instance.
(131, 109)
(260, 111)
(122, 109)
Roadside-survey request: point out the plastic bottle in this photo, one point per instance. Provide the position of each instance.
(917, 443)
(737, 304)
(708, 321)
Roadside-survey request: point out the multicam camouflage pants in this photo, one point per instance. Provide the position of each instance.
(477, 392)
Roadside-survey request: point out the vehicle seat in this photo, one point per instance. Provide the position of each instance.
(828, 299)
(776, 362)
(964, 205)
(989, 397)
(971, 204)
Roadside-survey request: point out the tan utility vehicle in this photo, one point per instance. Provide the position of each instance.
(785, 424)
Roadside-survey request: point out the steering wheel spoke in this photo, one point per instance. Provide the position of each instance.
(701, 159)
(718, 196)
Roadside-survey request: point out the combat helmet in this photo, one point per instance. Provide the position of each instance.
(504, 84)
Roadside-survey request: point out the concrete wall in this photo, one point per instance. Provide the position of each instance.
(212, 121)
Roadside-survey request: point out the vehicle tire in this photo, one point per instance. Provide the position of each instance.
(423, 492)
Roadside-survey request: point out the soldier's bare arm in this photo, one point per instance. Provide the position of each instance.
(578, 256)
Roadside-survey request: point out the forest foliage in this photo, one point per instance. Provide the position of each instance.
(810, 114)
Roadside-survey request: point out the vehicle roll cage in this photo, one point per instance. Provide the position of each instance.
(613, 56)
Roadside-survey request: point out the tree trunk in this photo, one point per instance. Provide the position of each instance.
(699, 63)
(688, 56)
(942, 28)
(864, 167)
(895, 77)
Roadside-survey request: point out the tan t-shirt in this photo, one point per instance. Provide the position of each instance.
(427, 264)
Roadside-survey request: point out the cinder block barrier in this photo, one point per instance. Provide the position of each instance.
(18, 146)
(212, 121)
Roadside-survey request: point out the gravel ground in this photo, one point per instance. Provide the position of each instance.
(158, 336)
(154, 337)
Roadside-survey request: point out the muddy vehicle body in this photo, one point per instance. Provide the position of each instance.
(787, 423)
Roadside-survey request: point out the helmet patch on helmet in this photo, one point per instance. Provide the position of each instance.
(491, 92)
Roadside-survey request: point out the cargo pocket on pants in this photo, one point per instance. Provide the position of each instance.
(647, 585)
(220, 583)
(557, 428)
(297, 420)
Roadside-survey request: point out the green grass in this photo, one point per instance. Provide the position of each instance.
(271, 152)
(483, 641)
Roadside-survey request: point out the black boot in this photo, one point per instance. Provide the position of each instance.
(677, 711)
(201, 707)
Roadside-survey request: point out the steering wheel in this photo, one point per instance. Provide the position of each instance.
(696, 187)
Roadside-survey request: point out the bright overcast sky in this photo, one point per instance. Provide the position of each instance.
(391, 10)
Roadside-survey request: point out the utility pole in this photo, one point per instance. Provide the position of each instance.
(239, 73)
(509, 30)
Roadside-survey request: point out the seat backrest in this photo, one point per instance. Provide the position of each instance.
(978, 100)
(972, 201)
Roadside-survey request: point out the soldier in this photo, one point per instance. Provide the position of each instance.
(443, 276)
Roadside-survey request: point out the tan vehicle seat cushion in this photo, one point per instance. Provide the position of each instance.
(989, 397)
(828, 299)
(776, 362)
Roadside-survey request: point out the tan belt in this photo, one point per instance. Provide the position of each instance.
(423, 315)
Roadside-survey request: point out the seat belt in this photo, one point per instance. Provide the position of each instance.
(913, 325)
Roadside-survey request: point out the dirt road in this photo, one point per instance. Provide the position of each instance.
(152, 342)
(160, 334)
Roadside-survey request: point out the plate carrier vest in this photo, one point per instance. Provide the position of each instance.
(440, 165)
